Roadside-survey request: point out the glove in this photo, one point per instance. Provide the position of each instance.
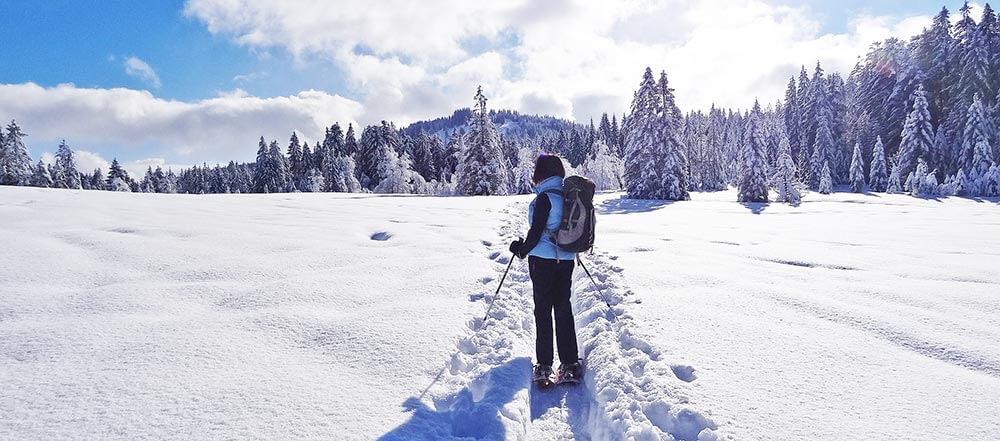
(515, 248)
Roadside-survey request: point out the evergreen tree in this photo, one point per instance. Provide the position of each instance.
(40, 176)
(877, 176)
(378, 145)
(116, 172)
(785, 181)
(604, 168)
(826, 179)
(350, 143)
(424, 146)
(895, 184)
(280, 168)
(604, 129)
(308, 162)
(265, 179)
(857, 170)
(15, 163)
(334, 141)
(69, 177)
(296, 162)
(974, 62)
(982, 160)
(976, 129)
(917, 135)
(482, 170)
(823, 147)
(673, 163)
(398, 177)
(97, 180)
(807, 119)
(934, 52)
(146, 185)
(450, 155)
(643, 134)
(163, 184)
(792, 118)
(753, 180)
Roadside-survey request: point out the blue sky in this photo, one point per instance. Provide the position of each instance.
(228, 74)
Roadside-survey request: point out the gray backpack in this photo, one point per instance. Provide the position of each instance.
(576, 229)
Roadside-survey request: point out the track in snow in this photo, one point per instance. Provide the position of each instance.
(484, 391)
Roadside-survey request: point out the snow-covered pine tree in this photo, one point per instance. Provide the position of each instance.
(980, 168)
(895, 184)
(962, 185)
(116, 172)
(482, 171)
(15, 163)
(70, 176)
(449, 157)
(822, 152)
(334, 141)
(674, 166)
(976, 130)
(974, 67)
(522, 172)
(296, 163)
(350, 142)
(265, 179)
(281, 168)
(97, 180)
(424, 146)
(643, 133)
(807, 116)
(146, 184)
(826, 179)
(40, 176)
(917, 135)
(857, 170)
(878, 179)
(307, 157)
(753, 178)
(785, 181)
(398, 177)
(792, 118)
(378, 145)
(605, 168)
(933, 51)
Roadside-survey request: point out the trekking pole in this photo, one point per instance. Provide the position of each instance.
(495, 294)
(599, 290)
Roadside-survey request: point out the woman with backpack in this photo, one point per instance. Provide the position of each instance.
(551, 270)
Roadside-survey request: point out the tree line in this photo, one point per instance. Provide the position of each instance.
(921, 117)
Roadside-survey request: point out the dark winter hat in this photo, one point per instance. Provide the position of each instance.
(547, 166)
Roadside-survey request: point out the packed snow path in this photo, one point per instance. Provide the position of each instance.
(484, 392)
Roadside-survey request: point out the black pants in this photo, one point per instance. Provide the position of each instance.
(552, 282)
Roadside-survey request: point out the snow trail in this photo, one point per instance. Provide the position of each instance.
(630, 391)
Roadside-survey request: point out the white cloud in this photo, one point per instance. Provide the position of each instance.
(216, 129)
(140, 69)
(409, 60)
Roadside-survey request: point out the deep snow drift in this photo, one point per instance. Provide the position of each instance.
(330, 316)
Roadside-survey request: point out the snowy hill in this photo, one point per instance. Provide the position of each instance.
(350, 316)
(508, 122)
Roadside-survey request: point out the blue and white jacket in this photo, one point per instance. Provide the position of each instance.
(547, 192)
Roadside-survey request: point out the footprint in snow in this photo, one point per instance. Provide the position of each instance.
(381, 236)
(684, 373)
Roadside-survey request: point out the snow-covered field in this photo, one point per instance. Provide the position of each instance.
(327, 316)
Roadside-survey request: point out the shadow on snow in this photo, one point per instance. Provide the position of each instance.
(474, 412)
(625, 206)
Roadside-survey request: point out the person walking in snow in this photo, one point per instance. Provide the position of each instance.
(551, 270)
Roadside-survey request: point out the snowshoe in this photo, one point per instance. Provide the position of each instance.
(570, 374)
(542, 376)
